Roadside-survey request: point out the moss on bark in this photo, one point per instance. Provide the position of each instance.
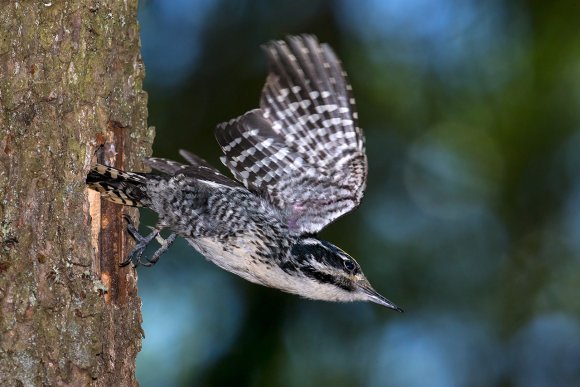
(70, 80)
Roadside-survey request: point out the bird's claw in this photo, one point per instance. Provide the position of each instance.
(135, 256)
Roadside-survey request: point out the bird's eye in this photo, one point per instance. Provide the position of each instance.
(349, 265)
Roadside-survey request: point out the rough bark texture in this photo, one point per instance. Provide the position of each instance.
(70, 81)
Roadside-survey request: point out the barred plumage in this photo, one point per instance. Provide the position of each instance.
(303, 147)
(300, 163)
(118, 186)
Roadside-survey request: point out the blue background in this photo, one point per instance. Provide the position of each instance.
(471, 219)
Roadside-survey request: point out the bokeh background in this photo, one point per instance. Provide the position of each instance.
(471, 220)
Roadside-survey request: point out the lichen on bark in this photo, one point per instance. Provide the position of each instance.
(70, 81)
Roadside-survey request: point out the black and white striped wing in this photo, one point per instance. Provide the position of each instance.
(302, 148)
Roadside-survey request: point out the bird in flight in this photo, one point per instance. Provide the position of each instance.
(299, 163)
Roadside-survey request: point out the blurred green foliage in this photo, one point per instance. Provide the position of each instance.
(471, 220)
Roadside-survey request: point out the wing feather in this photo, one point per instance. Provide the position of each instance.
(302, 148)
(200, 171)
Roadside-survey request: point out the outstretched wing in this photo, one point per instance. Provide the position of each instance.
(302, 148)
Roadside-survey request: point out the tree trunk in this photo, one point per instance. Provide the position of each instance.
(70, 84)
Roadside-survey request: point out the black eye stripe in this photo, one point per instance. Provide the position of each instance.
(311, 249)
(326, 278)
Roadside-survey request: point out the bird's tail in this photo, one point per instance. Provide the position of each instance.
(118, 186)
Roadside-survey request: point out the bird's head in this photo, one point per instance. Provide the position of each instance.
(328, 273)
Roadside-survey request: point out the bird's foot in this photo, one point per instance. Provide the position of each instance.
(135, 256)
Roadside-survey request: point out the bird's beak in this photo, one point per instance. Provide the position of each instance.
(374, 296)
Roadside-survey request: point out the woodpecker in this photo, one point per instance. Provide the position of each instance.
(299, 163)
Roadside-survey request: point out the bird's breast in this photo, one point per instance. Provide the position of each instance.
(245, 256)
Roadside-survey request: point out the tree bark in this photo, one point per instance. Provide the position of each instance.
(70, 84)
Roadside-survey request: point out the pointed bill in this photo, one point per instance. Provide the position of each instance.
(374, 296)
